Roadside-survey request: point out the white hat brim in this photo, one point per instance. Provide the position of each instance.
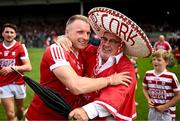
(105, 19)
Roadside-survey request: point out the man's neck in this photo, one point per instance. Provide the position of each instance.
(75, 51)
(9, 43)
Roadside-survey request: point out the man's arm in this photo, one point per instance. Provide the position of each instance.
(110, 101)
(25, 67)
(79, 85)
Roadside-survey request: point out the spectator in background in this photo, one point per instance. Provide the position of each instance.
(177, 51)
(50, 39)
(12, 86)
(177, 54)
(162, 44)
(94, 39)
(161, 89)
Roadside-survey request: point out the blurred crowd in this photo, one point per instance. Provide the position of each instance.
(40, 34)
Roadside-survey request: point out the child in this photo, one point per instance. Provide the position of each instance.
(161, 89)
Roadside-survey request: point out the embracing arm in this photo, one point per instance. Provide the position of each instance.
(105, 104)
(79, 85)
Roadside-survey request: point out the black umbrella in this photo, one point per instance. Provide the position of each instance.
(50, 97)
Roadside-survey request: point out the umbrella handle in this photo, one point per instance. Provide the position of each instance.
(17, 71)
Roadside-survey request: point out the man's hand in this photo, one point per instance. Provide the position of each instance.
(5, 70)
(64, 42)
(120, 78)
(78, 114)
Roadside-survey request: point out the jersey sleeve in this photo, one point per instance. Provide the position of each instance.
(57, 57)
(23, 52)
(144, 83)
(175, 83)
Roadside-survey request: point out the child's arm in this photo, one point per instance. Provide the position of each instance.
(172, 102)
(150, 102)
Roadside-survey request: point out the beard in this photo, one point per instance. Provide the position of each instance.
(9, 40)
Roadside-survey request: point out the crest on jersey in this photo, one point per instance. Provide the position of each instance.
(6, 53)
(13, 53)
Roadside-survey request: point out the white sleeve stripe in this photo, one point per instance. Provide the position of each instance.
(24, 58)
(62, 53)
(65, 63)
(26, 52)
(121, 116)
(53, 53)
(57, 53)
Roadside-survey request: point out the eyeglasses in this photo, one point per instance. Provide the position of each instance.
(110, 41)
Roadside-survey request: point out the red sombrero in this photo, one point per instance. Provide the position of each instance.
(105, 19)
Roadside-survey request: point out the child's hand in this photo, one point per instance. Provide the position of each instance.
(160, 108)
(151, 103)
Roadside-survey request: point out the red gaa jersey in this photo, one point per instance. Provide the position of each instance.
(118, 100)
(12, 56)
(54, 57)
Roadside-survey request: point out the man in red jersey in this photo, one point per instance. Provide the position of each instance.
(12, 86)
(162, 44)
(117, 39)
(61, 71)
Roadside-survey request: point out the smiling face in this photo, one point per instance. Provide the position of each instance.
(110, 45)
(159, 64)
(160, 60)
(78, 31)
(8, 34)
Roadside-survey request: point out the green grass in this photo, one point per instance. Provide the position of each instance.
(143, 65)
